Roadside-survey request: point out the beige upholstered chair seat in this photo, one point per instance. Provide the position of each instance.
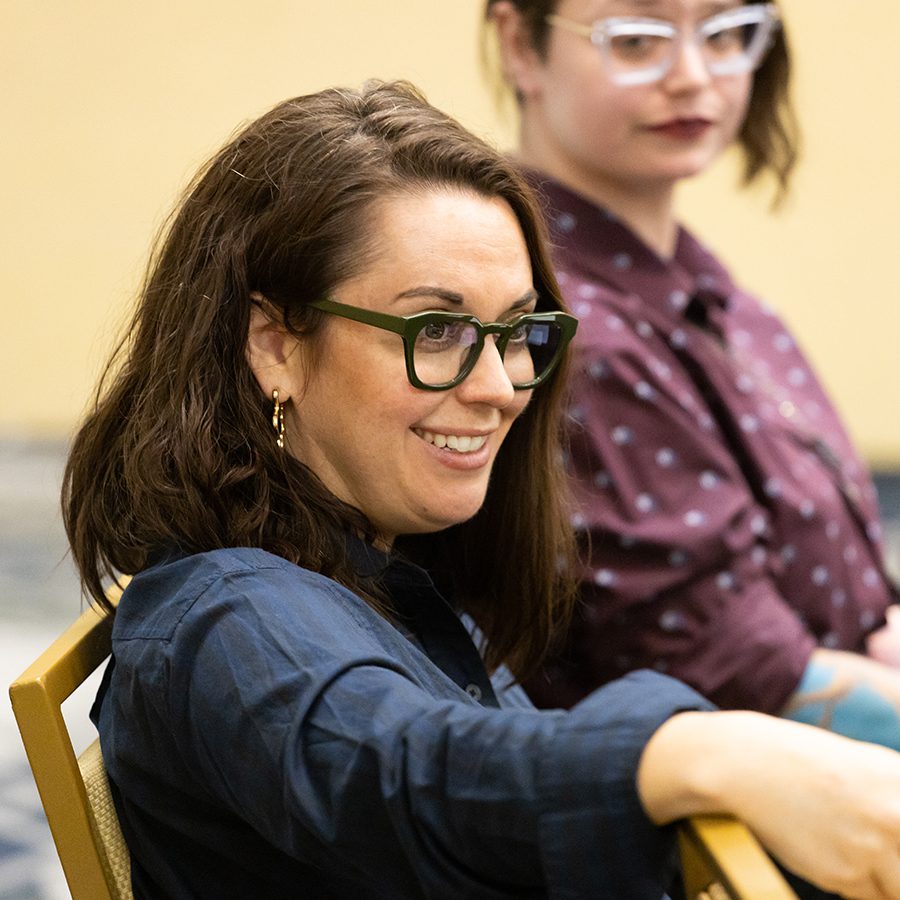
(116, 860)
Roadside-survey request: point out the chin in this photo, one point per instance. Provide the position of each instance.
(689, 172)
(673, 174)
(685, 164)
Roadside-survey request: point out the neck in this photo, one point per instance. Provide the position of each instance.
(647, 208)
(650, 215)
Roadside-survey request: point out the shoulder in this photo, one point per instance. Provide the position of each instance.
(748, 315)
(242, 582)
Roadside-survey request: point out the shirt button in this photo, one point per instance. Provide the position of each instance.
(473, 691)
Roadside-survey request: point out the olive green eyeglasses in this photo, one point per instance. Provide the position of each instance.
(442, 348)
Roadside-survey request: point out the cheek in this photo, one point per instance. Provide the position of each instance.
(519, 404)
(736, 96)
(392, 413)
(590, 125)
(604, 103)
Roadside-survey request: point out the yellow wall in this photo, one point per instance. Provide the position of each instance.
(108, 106)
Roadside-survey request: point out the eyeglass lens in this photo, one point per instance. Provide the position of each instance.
(639, 52)
(444, 349)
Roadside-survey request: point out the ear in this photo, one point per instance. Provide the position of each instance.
(273, 353)
(520, 61)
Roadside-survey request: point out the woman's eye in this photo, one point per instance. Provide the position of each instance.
(630, 46)
(520, 335)
(725, 39)
(437, 336)
(435, 331)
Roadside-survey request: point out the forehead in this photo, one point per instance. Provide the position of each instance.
(444, 220)
(444, 237)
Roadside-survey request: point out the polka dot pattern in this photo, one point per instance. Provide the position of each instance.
(565, 223)
(694, 518)
(725, 581)
(678, 338)
(671, 620)
(772, 488)
(666, 457)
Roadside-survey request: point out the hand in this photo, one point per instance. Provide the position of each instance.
(827, 807)
(884, 645)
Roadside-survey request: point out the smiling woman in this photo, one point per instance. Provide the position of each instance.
(312, 686)
(411, 460)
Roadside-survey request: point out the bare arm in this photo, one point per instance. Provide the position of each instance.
(827, 807)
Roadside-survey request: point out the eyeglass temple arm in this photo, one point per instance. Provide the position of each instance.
(569, 25)
(366, 316)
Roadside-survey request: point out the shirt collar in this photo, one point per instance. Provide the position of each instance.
(367, 560)
(400, 576)
(425, 617)
(592, 242)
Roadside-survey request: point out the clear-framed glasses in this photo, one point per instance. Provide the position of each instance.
(441, 348)
(639, 50)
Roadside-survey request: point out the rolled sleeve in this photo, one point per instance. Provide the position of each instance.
(607, 848)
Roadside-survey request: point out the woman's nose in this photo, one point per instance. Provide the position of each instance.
(689, 69)
(488, 382)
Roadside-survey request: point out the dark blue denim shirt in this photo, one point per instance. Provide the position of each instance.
(267, 734)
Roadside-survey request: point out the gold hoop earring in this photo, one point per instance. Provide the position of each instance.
(278, 420)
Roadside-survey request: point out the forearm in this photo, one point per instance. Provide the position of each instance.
(689, 764)
(826, 806)
(851, 695)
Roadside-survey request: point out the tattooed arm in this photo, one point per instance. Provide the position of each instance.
(851, 695)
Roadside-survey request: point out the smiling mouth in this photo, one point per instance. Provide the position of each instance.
(461, 443)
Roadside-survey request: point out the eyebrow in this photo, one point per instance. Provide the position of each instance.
(456, 299)
(712, 7)
(428, 291)
(637, 5)
(530, 296)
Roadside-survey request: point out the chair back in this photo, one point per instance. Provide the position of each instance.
(74, 792)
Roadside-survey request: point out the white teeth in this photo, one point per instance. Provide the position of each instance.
(461, 443)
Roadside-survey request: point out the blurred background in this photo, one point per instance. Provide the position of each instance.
(108, 109)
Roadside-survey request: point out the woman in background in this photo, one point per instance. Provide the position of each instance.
(734, 537)
(328, 451)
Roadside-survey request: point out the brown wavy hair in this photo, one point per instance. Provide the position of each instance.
(177, 453)
(769, 138)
